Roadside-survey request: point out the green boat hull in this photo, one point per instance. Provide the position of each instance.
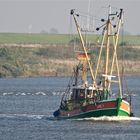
(110, 112)
(114, 108)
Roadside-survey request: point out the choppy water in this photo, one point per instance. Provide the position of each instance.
(27, 104)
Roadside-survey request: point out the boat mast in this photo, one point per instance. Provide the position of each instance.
(114, 58)
(115, 41)
(83, 44)
(107, 46)
(108, 33)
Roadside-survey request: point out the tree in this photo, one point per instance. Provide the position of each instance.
(44, 32)
(53, 31)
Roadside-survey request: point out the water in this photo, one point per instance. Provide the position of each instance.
(27, 104)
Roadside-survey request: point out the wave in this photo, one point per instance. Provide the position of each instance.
(39, 93)
(111, 119)
(21, 116)
(26, 117)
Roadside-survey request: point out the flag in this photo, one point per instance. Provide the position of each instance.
(82, 56)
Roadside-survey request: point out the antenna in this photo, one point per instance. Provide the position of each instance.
(87, 26)
(88, 14)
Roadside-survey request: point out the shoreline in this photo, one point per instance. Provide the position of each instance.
(61, 76)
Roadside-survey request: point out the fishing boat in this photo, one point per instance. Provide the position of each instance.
(92, 96)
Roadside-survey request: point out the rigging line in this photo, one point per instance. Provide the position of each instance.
(87, 24)
(88, 13)
(85, 14)
(123, 76)
(93, 17)
(70, 27)
(122, 50)
(104, 7)
(65, 95)
(122, 57)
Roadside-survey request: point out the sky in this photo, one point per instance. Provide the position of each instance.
(25, 16)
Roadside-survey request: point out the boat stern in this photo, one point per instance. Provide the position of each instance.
(124, 108)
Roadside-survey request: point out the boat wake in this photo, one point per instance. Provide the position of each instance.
(27, 117)
(111, 119)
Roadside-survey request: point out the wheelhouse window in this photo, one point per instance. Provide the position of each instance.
(78, 94)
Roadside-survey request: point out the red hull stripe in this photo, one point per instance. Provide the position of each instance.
(92, 107)
(103, 105)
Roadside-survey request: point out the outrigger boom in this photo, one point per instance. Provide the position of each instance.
(83, 44)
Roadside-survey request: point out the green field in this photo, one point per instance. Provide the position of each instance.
(24, 38)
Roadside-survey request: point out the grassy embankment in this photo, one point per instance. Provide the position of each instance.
(50, 55)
